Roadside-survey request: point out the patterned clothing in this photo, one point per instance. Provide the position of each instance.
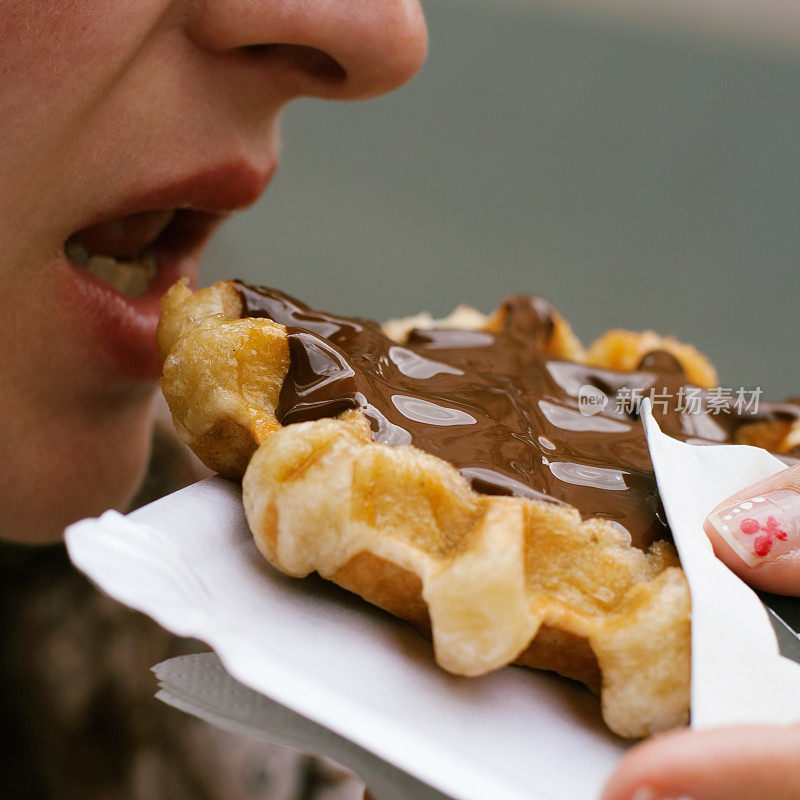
(78, 719)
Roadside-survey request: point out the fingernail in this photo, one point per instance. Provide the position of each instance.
(763, 528)
(646, 793)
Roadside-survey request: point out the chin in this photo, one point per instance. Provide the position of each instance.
(87, 469)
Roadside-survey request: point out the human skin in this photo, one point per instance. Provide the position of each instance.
(110, 109)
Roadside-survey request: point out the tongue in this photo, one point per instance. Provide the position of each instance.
(124, 237)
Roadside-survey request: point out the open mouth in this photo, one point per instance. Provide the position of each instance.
(129, 252)
(119, 265)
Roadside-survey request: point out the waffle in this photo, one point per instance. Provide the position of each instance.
(492, 578)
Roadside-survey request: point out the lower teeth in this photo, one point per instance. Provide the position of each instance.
(128, 277)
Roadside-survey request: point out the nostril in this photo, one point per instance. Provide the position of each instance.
(308, 59)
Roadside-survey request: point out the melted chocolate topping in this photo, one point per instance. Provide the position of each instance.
(497, 407)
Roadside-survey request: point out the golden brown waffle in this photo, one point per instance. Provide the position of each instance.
(493, 580)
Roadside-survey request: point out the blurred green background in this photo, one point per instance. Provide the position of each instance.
(637, 177)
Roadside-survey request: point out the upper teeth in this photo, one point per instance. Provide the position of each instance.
(131, 277)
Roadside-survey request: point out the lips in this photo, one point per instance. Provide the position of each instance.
(122, 261)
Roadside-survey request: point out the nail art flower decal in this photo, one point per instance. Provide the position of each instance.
(762, 544)
(763, 528)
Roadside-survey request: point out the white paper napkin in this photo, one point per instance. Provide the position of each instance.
(201, 686)
(738, 674)
(189, 562)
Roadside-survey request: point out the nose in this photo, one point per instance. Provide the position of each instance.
(342, 49)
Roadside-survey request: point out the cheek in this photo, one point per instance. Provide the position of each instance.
(65, 468)
(77, 44)
(58, 61)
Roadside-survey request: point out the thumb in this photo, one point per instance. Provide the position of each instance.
(747, 763)
(756, 532)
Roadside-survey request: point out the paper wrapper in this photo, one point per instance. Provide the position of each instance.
(328, 673)
(189, 562)
(738, 674)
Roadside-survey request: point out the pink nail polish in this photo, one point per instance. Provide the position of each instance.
(763, 528)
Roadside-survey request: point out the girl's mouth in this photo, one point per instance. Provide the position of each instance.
(118, 271)
(118, 267)
(128, 252)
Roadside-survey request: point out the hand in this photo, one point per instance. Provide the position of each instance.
(756, 532)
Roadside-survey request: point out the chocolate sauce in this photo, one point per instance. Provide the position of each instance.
(510, 418)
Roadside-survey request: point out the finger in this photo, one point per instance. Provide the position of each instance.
(756, 532)
(746, 763)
